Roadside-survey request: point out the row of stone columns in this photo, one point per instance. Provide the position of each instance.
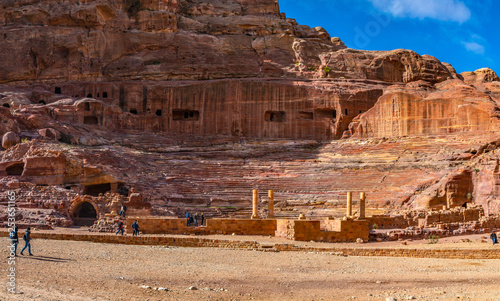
(362, 205)
(255, 203)
(270, 210)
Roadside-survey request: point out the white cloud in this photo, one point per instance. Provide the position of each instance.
(474, 47)
(444, 10)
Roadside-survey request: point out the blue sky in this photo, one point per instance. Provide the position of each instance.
(464, 33)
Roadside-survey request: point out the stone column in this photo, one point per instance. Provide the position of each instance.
(270, 209)
(255, 212)
(349, 204)
(362, 205)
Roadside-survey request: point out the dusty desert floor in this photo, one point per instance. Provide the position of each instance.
(70, 270)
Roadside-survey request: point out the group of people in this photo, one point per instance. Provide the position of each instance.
(192, 220)
(26, 237)
(135, 226)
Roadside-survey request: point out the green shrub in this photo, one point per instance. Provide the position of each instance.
(327, 69)
(375, 226)
(433, 239)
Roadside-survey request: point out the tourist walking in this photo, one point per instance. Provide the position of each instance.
(27, 241)
(15, 239)
(123, 209)
(135, 226)
(120, 228)
(187, 219)
(494, 237)
(202, 218)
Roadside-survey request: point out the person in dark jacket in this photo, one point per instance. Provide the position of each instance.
(135, 226)
(196, 219)
(15, 239)
(202, 220)
(27, 241)
(120, 228)
(123, 209)
(494, 237)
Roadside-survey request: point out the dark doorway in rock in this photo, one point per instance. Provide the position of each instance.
(98, 95)
(42, 102)
(104, 94)
(6, 105)
(186, 115)
(90, 120)
(464, 205)
(158, 113)
(85, 214)
(15, 169)
(133, 111)
(275, 116)
(123, 189)
(57, 90)
(89, 95)
(94, 190)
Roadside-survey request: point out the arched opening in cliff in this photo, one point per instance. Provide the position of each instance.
(98, 95)
(42, 102)
(275, 116)
(104, 94)
(85, 214)
(186, 115)
(15, 169)
(57, 90)
(158, 112)
(95, 190)
(6, 105)
(89, 95)
(464, 205)
(92, 120)
(346, 111)
(133, 111)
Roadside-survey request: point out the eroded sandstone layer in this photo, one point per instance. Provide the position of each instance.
(192, 104)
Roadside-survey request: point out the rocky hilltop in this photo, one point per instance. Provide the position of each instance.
(191, 104)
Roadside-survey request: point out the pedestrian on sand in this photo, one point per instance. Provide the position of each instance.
(120, 228)
(196, 219)
(187, 219)
(15, 239)
(202, 220)
(494, 237)
(135, 226)
(27, 241)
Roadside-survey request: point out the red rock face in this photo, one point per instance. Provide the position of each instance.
(184, 101)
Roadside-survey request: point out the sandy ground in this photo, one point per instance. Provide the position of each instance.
(70, 270)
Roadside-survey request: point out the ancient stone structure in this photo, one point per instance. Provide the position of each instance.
(270, 205)
(362, 205)
(194, 103)
(349, 204)
(255, 204)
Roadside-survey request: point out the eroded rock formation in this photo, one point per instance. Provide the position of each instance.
(185, 101)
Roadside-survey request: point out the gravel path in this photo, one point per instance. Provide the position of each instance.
(70, 270)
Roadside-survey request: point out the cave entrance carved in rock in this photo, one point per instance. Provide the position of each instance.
(15, 169)
(84, 214)
(95, 190)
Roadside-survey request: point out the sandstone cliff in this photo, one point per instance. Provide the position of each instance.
(185, 101)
